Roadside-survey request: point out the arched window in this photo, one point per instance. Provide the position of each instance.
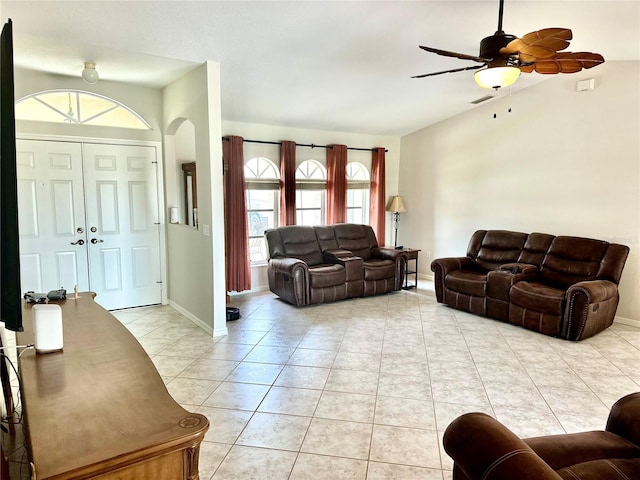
(311, 187)
(358, 185)
(263, 203)
(78, 107)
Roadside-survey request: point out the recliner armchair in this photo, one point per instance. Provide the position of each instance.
(483, 448)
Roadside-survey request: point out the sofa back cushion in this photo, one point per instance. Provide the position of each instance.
(326, 237)
(358, 239)
(296, 241)
(613, 262)
(571, 260)
(499, 247)
(535, 248)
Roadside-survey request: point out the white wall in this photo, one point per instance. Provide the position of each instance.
(275, 133)
(196, 257)
(562, 162)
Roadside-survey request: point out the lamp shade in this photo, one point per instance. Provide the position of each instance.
(496, 77)
(396, 205)
(90, 74)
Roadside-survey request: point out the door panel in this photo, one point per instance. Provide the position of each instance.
(122, 207)
(51, 210)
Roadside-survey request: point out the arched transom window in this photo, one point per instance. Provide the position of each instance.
(78, 107)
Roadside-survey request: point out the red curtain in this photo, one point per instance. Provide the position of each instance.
(287, 183)
(378, 196)
(336, 184)
(235, 209)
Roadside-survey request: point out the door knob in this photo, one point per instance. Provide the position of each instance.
(79, 242)
(95, 240)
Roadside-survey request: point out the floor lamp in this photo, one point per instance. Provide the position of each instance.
(396, 206)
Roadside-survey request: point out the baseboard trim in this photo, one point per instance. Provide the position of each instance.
(627, 321)
(207, 328)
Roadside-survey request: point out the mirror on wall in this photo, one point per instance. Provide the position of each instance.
(185, 145)
(190, 193)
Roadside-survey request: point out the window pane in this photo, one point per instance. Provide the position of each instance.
(310, 207)
(309, 217)
(263, 203)
(358, 206)
(311, 170)
(78, 107)
(262, 168)
(257, 249)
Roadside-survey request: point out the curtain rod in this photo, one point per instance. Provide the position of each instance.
(310, 145)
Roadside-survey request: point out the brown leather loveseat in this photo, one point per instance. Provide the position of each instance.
(483, 448)
(561, 286)
(309, 265)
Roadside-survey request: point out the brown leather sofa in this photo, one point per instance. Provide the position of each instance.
(309, 265)
(483, 448)
(561, 286)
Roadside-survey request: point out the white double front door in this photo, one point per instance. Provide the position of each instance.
(88, 216)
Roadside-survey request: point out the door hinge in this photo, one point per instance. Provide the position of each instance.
(154, 162)
(159, 281)
(156, 223)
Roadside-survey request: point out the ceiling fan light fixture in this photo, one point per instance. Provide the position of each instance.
(89, 73)
(497, 77)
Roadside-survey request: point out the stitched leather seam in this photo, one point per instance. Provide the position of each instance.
(497, 462)
(572, 473)
(620, 472)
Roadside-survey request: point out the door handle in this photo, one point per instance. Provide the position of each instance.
(79, 242)
(95, 240)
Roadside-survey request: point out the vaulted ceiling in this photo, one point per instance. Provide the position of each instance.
(332, 65)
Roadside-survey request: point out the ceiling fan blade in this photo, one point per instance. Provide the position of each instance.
(473, 67)
(565, 62)
(538, 45)
(462, 56)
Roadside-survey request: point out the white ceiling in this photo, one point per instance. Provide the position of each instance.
(331, 65)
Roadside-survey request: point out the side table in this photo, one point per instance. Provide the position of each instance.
(412, 255)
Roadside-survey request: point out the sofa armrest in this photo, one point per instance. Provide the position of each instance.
(483, 448)
(387, 253)
(287, 265)
(330, 256)
(353, 266)
(442, 266)
(399, 257)
(289, 279)
(590, 308)
(515, 268)
(623, 418)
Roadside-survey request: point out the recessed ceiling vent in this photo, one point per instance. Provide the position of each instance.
(482, 99)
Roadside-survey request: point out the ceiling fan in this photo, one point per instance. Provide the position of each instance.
(503, 56)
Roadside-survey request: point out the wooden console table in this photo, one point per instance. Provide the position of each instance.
(100, 408)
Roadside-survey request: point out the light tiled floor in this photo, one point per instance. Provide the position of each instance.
(364, 388)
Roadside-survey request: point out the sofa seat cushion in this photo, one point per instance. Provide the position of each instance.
(606, 469)
(537, 297)
(469, 282)
(378, 269)
(327, 275)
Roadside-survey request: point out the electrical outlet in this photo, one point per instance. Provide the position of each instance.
(205, 230)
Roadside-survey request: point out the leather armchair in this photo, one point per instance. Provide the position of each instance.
(483, 448)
